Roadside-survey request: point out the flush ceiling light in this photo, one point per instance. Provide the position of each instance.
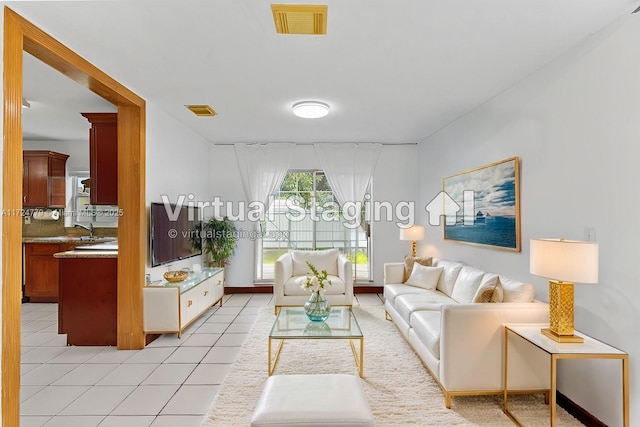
(310, 109)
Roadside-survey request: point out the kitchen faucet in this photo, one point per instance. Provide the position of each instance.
(89, 228)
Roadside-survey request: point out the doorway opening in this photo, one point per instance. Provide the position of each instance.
(21, 36)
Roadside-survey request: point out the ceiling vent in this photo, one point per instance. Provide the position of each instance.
(202, 110)
(300, 18)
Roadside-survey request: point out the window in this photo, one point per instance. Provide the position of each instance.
(84, 212)
(305, 215)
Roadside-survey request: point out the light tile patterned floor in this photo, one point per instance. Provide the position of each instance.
(171, 382)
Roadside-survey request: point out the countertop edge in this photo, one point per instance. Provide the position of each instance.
(86, 254)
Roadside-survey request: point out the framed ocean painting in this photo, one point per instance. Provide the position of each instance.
(488, 198)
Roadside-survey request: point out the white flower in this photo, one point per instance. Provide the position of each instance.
(315, 282)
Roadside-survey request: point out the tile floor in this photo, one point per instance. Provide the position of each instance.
(170, 383)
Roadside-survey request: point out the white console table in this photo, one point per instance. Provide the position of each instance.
(171, 307)
(590, 349)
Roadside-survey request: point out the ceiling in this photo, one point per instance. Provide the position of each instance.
(392, 71)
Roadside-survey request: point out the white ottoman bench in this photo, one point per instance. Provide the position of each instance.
(313, 400)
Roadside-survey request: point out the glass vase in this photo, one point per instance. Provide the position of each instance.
(317, 307)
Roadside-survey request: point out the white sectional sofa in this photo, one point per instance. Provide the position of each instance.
(461, 341)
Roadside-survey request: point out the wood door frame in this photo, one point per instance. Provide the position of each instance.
(21, 35)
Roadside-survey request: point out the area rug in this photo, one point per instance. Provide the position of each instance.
(401, 392)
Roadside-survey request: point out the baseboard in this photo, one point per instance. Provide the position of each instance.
(268, 289)
(368, 289)
(255, 289)
(578, 411)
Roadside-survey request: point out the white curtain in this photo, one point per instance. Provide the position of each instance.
(263, 168)
(348, 168)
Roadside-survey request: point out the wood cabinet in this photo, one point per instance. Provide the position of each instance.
(87, 308)
(43, 179)
(103, 157)
(41, 270)
(171, 307)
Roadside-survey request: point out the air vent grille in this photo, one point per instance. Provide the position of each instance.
(300, 19)
(202, 110)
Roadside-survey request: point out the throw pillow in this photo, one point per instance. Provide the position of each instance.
(467, 283)
(322, 260)
(515, 291)
(408, 265)
(489, 290)
(424, 277)
(449, 276)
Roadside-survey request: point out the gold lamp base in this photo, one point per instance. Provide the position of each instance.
(561, 313)
(561, 338)
(414, 252)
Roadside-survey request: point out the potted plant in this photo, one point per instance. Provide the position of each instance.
(218, 238)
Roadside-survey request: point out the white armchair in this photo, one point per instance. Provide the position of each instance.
(292, 265)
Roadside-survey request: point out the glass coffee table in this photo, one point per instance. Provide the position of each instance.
(292, 324)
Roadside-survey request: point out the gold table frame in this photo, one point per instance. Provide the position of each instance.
(590, 349)
(341, 320)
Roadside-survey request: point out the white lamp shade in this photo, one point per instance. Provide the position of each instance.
(564, 260)
(415, 232)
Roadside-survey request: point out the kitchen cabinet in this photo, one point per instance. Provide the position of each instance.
(103, 158)
(171, 307)
(43, 179)
(88, 306)
(41, 270)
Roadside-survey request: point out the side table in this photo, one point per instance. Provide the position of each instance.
(590, 349)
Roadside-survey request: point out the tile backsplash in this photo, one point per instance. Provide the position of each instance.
(38, 228)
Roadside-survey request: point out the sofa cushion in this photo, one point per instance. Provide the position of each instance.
(467, 284)
(426, 325)
(489, 290)
(391, 292)
(429, 300)
(448, 276)
(322, 260)
(408, 265)
(291, 287)
(515, 291)
(424, 277)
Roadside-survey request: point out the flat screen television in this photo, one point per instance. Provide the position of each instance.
(173, 231)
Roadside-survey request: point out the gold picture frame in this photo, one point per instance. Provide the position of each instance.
(488, 205)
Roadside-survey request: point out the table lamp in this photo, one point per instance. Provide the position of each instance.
(413, 233)
(564, 262)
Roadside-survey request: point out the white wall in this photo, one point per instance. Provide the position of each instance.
(177, 164)
(226, 184)
(393, 181)
(575, 127)
(78, 151)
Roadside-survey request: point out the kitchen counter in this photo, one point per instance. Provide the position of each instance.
(41, 266)
(107, 249)
(68, 239)
(87, 254)
(87, 303)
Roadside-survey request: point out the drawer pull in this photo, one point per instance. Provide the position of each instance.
(206, 293)
(189, 303)
(219, 282)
